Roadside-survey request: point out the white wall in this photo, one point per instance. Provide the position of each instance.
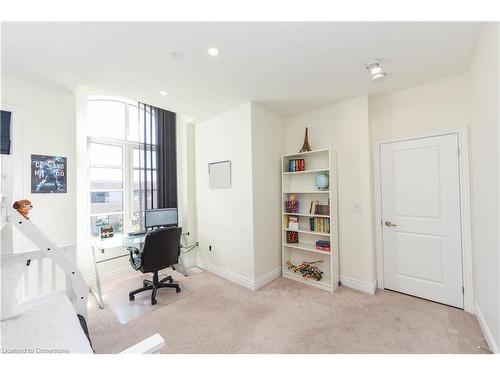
(344, 127)
(191, 190)
(437, 106)
(441, 105)
(185, 182)
(225, 216)
(268, 144)
(465, 101)
(485, 188)
(48, 128)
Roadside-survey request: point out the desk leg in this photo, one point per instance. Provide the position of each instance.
(183, 266)
(98, 295)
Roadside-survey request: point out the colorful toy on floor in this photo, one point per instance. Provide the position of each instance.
(307, 269)
(23, 207)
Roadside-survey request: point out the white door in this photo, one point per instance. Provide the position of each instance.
(422, 249)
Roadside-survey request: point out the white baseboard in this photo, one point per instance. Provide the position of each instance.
(231, 276)
(267, 278)
(238, 279)
(362, 286)
(486, 330)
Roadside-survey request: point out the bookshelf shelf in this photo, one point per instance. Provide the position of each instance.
(307, 232)
(301, 186)
(324, 283)
(305, 214)
(306, 247)
(307, 192)
(306, 171)
(306, 154)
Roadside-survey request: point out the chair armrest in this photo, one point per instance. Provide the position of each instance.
(134, 250)
(135, 257)
(151, 345)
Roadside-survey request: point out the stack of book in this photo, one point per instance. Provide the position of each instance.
(296, 165)
(293, 222)
(323, 245)
(319, 224)
(319, 209)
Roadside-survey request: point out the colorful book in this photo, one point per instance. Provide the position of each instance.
(323, 245)
(296, 165)
(293, 222)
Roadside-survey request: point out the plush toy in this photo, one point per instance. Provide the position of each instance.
(23, 207)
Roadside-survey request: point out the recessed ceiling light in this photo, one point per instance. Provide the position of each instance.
(378, 76)
(213, 51)
(164, 93)
(177, 55)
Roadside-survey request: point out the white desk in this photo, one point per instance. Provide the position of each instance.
(117, 242)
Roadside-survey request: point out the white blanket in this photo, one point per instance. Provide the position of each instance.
(49, 325)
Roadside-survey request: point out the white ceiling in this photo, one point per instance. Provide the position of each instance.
(288, 67)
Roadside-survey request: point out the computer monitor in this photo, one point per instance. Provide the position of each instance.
(160, 217)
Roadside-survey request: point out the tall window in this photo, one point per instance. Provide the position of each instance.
(117, 164)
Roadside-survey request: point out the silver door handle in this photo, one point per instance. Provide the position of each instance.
(389, 224)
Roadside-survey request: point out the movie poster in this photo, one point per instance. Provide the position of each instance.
(48, 174)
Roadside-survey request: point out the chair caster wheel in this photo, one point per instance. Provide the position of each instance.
(170, 281)
(144, 283)
(130, 297)
(153, 302)
(177, 290)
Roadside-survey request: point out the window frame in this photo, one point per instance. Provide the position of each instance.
(128, 146)
(123, 190)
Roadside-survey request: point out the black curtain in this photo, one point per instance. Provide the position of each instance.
(157, 159)
(166, 160)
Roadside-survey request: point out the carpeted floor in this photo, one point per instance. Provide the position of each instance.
(289, 317)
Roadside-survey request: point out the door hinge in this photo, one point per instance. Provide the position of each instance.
(463, 290)
(458, 151)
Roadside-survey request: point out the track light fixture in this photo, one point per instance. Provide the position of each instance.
(375, 70)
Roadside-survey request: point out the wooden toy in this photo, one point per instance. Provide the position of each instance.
(307, 269)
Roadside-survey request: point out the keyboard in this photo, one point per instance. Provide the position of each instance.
(137, 233)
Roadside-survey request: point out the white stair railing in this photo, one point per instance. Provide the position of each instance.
(41, 274)
(51, 250)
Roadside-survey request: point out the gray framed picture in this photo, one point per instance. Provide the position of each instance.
(48, 174)
(219, 174)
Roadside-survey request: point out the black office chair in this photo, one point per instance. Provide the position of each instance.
(161, 250)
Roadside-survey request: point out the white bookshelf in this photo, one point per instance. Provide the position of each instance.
(301, 183)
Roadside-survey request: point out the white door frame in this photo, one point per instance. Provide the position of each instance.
(464, 210)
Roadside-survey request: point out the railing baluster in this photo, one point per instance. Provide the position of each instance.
(53, 275)
(25, 286)
(40, 275)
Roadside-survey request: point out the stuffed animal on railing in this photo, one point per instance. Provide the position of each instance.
(23, 207)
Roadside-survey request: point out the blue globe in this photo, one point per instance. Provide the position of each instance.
(321, 181)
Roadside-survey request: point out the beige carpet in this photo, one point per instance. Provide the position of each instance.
(288, 317)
